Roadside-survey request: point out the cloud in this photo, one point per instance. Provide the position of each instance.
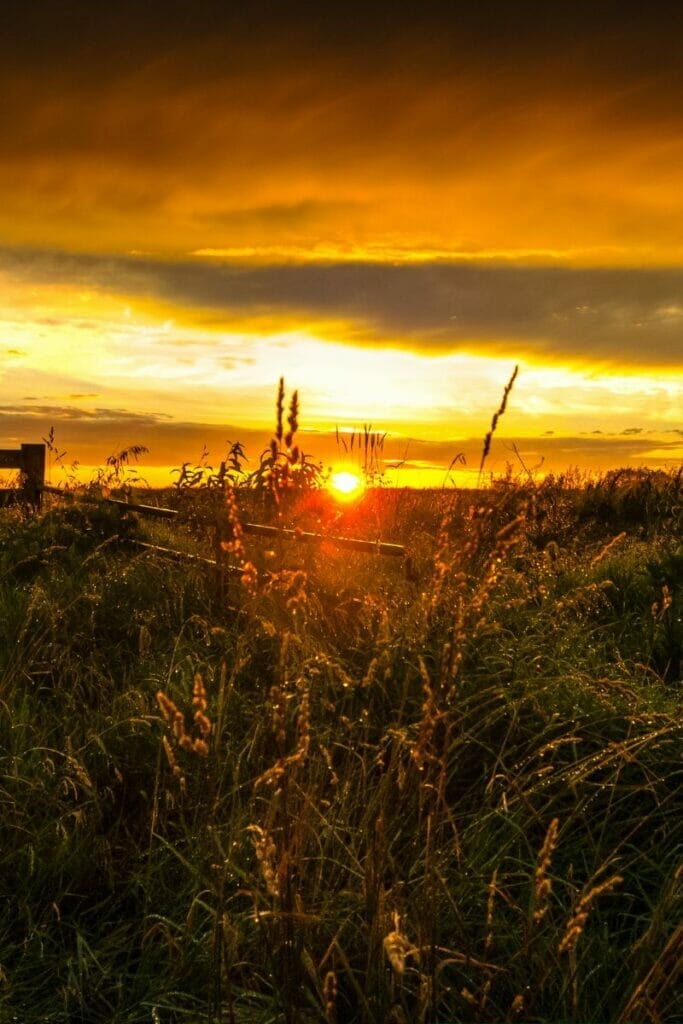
(91, 437)
(557, 453)
(102, 416)
(166, 126)
(608, 315)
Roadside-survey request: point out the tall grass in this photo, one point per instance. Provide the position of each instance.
(337, 794)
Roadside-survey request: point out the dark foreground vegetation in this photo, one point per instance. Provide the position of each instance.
(334, 792)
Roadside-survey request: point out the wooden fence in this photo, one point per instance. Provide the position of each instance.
(370, 547)
(30, 461)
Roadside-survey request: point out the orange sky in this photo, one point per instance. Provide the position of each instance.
(390, 211)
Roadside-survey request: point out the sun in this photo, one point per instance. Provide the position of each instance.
(345, 486)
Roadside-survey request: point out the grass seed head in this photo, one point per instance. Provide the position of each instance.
(517, 1005)
(266, 856)
(577, 921)
(494, 422)
(330, 997)
(397, 947)
(199, 694)
(542, 883)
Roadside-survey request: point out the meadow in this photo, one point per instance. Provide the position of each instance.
(322, 788)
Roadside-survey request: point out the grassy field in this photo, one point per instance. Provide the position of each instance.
(334, 791)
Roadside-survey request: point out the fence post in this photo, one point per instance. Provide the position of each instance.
(33, 467)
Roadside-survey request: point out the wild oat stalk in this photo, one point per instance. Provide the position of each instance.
(279, 407)
(494, 422)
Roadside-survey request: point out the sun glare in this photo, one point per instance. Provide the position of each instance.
(345, 486)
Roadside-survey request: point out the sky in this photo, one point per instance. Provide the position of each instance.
(391, 210)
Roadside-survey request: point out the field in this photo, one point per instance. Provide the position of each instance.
(324, 788)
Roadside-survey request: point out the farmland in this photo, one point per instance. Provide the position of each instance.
(323, 788)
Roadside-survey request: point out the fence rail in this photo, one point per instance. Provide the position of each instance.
(369, 547)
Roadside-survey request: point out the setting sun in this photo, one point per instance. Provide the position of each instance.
(345, 485)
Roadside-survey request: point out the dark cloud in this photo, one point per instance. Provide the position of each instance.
(118, 37)
(69, 412)
(187, 124)
(556, 453)
(91, 438)
(619, 316)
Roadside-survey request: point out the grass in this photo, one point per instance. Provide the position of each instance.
(450, 797)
